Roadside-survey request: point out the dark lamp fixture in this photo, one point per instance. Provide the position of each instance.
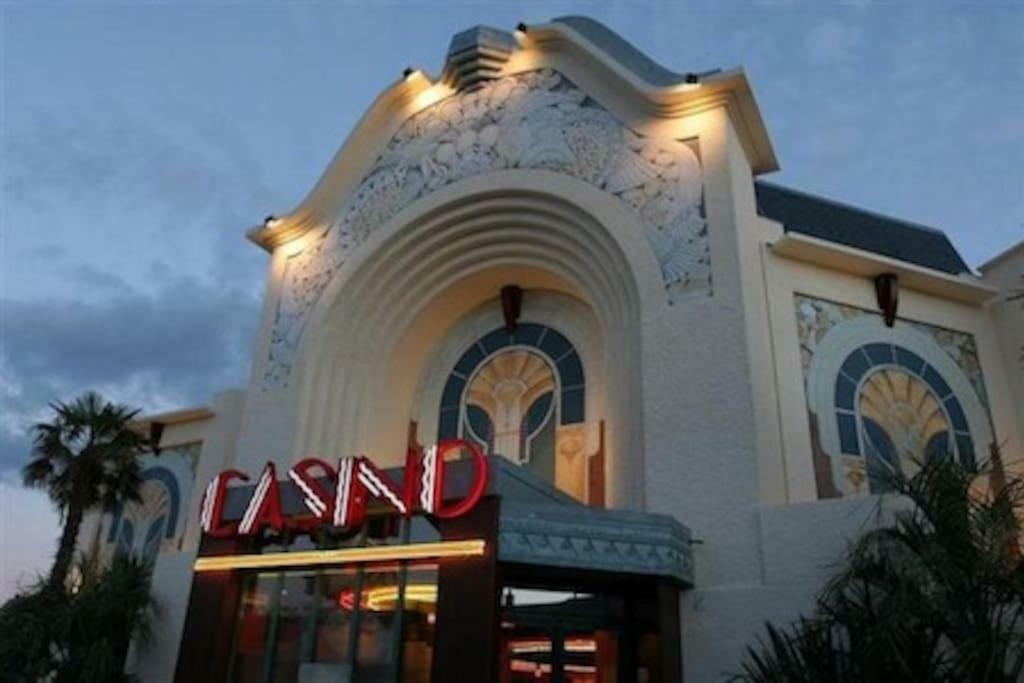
(156, 430)
(521, 27)
(408, 71)
(691, 79)
(511, 306)
(887, 290)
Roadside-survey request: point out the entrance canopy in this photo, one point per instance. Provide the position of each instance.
(540, 525)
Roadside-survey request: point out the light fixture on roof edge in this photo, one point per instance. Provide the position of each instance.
(691, 81)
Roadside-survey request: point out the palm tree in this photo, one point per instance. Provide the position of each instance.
(936, 596)
(85, 458)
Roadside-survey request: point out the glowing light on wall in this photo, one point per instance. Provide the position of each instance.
(384, 598)
(356, 482)
(317, 558)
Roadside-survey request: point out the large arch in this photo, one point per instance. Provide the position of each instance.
(386, 311)
(847, 339)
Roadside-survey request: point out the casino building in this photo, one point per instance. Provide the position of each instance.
(556, 388)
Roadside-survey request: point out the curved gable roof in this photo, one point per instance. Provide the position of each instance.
(635, 86)
(623, 51)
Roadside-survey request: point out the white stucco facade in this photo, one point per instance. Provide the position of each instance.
(650, 256)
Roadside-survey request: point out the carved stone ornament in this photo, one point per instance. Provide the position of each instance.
(579, 537)
(535, 120)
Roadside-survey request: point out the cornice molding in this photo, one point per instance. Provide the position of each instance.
(963, 288)
(555, 46)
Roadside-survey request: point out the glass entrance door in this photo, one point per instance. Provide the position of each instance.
(573, 637)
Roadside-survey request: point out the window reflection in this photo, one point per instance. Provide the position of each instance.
(337, 625)
(253, 627)
(420, 618)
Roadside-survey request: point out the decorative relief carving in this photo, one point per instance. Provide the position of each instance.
(536, 120)
(586, 538)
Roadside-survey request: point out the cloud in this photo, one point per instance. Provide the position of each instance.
(155, 351)
(101, 177)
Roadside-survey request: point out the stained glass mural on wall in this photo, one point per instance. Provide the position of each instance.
(886, 400)
(520, 395)
(157, 522)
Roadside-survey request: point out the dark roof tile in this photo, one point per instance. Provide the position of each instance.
(853, 227)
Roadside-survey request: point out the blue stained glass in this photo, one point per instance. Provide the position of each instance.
(572, 406)
(881, 457)
(845, 390)
(481, 425)
(470, 359)
(880, 354)
(497, 339)
(570, 370)
(934, 379)
(448, 423)
(555, 345)
(848, 441)
(910, 360)
(126, 538)
(938, 447)
(536, 413)
(956, 414)
(965, 448)
(527, 334)
(855, 365)
(452, 392)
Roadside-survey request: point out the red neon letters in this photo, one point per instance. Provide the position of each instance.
(357, 481)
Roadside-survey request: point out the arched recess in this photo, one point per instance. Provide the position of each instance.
(386, 312)
(552, 325)
(852, 353)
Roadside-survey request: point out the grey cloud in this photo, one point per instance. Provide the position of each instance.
(174, 348)
(192, 181)
(94, 277)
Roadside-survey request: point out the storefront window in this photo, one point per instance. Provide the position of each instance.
(378, 626)
(253, 627)
(364, 624)
(420, 616)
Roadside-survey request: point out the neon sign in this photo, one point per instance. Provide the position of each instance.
(357, 481)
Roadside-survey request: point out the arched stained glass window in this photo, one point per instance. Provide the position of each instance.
(896, 411)
(517, 395)
(139, 528)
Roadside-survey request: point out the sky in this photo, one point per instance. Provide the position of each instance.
(138, 142)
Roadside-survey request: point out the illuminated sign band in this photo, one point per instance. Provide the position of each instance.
(356, 481)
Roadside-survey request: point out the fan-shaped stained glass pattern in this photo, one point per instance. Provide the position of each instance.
(520, 395)
(506, 388)
(140, 528)
(897, 412)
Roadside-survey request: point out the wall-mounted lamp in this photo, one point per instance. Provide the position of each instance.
(156, 430)
(691, 81)
(521, 27)
(887, 290)
(511, 306)
(408, 71)
(269, 221)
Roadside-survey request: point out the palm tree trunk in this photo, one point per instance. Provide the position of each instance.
(66, 549)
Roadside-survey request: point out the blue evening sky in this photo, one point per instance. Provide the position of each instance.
(138, 142)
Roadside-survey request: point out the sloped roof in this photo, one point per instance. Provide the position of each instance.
(858, 228)
(622, 50)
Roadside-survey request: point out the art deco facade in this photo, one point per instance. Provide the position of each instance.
(690, 382)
